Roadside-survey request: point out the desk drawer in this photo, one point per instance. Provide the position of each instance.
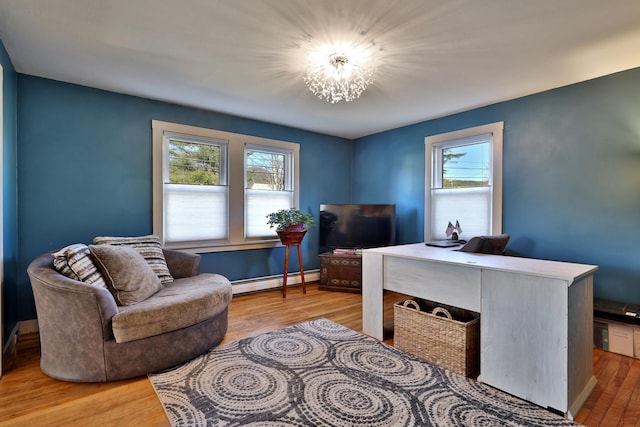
(451, 284)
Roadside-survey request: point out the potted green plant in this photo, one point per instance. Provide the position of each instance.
(290, 220)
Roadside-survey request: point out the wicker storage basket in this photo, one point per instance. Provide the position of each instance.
(451, 342)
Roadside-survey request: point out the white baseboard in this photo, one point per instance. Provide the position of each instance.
(582, 398)
(28, 327)
(9, 349)
(23, 327)
(272, 282)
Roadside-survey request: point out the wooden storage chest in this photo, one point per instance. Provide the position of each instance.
(340, 272)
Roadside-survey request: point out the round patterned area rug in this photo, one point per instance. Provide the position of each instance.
(319, 373)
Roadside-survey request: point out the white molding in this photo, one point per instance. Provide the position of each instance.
(581, 399)
(272, 282)
(9, 349)
(28, 327)
(496, 130)
(236, 239)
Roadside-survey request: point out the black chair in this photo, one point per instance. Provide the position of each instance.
(493, 245)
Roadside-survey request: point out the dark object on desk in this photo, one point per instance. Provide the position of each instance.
(493, 245)
(616, 310)
(445, 243)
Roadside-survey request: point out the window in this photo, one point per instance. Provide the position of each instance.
(213, 189)
(463, 182)
(195, 190)
(268, 186)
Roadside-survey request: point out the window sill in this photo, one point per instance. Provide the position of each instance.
(226, 247)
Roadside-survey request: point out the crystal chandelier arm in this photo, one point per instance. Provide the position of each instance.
(339, 78)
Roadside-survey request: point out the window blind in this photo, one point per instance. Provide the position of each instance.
(470, 206)
(195, 212)
(260, 203)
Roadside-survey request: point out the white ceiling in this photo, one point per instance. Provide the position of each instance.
(246, 57)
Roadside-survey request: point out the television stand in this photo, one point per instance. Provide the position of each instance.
(340, 272)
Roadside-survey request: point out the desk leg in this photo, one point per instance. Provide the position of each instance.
(286, 271)
(304, 286)
(372, 295)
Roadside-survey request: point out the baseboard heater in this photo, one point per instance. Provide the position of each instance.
(264, 283)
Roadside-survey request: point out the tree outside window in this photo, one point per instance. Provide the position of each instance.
(194, 163)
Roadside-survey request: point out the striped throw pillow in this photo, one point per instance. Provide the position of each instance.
(75, 262)
(150, 249)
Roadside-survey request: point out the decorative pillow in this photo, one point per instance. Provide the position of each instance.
(149, 247)
(75, 262)
(128, 275)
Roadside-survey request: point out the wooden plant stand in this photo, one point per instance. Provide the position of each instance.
(292, 238)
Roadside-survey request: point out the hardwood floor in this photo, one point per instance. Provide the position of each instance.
(30, 398)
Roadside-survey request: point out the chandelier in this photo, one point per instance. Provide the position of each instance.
(338, 74)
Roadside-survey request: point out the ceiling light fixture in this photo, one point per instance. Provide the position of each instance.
(337, 73)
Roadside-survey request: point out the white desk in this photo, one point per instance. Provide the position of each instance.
(536, 322)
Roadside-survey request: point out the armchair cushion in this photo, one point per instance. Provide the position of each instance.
(128, 275)
(148, 246)
(184, 303)
(75, 262)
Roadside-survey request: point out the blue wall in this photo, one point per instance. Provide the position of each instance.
(84, 163)
(571, 176)
(9, 193)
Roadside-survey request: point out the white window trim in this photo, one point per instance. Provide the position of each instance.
(287, 193)
(235, 157)
(496, 129)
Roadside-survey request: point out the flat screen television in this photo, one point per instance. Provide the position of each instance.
(354, 226)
